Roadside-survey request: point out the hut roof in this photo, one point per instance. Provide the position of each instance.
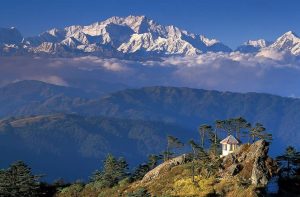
(230, 140)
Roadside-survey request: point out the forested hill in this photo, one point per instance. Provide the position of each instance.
(72, 146)
(184, 106)
(132, 122)
(192, 107)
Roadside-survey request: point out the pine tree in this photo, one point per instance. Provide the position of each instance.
(289, 161)
(113, 171)
(18, 180)
(153, 160)
(259, 132)
(140, 172)
(199, 155)
(195, 148)
(172, 143)
(239, 124)
(203, 131)
(4, 183)
(227, 126)
(214, 143)
(96, 176)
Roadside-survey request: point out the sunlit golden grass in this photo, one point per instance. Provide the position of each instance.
(176, 181)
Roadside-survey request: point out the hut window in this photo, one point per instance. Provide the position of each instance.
(230, 147)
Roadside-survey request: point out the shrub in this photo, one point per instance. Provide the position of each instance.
(142, 192)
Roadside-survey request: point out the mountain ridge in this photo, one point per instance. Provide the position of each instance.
(65, 143)
(130, 37)
(184, 106)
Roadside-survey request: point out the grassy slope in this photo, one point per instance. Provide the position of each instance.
(176, 182)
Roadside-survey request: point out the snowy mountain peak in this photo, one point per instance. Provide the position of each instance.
(136, 19)
(289, 42)
(288, 37)
(207, 41)
(140, 24)
(126, 35)
(131, 37)
(253, 46)
(260, 43)
(53, 31)
(290, 34)
(134, 22)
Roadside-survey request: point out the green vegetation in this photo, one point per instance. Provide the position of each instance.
(114, 170)
(60, 140)
(185, 106)
(259, 132)
(142, 169)
(138, 123)
(172, 143)
(203, 131)
(141, 118)
(198, 175)
(153, 160)
(18, 180)
(289, 173)
(142, 192)
(289, 161)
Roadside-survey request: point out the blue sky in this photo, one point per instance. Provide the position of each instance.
(231, 21)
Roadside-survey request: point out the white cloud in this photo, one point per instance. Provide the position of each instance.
(272, 54)
(53, 80)
(278, 73)
(92, 62)
(220, 71)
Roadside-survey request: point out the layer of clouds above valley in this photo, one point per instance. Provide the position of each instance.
(268, 71)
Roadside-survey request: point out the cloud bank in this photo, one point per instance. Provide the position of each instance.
(268, 71)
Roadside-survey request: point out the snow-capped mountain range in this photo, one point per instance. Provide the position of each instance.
(129, 37)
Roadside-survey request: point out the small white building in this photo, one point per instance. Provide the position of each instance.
(229, 144)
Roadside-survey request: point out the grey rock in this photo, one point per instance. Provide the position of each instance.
(250, 162)
(234, 169)
(260, 173)
(167, 165)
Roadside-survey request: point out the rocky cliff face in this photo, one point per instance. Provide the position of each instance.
(250, 162)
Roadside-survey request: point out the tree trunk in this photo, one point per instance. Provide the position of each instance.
(193, 167)
(167, 153)
(216, 142)
(202, 140)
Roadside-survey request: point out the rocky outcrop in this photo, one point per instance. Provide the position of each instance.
(250, 162)
(260, 173)
(167, 165)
